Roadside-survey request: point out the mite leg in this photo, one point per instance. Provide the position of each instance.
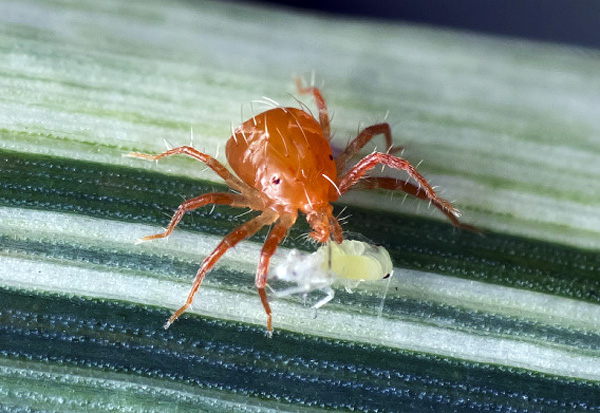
(191, 204)
(271, 243)
(321, 105)
(211, 162)
(361, 140)
(370, 161)
(414, 190)
(243, 231)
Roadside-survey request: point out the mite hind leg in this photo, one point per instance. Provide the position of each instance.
(367, 163)
(394, 184)
(362, 139)
(216, 198)
(321, 105)
(243, 231)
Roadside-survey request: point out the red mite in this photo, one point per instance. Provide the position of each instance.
(284, 163)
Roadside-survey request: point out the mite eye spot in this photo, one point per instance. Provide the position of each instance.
(276, 180)
(330, 157)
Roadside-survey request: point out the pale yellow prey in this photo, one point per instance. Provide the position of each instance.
(347, 263)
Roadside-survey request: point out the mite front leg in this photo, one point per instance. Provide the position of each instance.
(321, 105)
(394, 184)
(191, 204)
(370, 161)
(271, 243)
(211, 162)
(361, 140)
(243, 231)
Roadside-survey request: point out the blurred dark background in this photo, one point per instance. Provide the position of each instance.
(575, 22)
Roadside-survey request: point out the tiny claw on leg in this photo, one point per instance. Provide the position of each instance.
(151, 237)
(270, 326)
(176, 315)
(141, 156)
(265, 302)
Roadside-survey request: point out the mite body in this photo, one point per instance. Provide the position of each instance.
(283, 164)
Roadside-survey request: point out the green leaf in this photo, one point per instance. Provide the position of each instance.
(509, 129)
